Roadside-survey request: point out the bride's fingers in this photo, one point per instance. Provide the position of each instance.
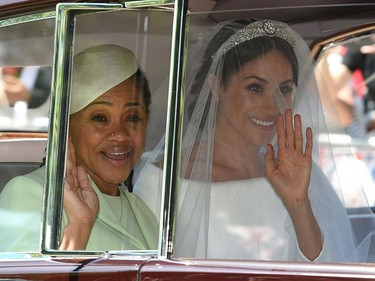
(280, 131)
(309, 142)
(298, 136)
(289, 128)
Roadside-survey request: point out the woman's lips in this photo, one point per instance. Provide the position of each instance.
(262, 123)
(117, 157)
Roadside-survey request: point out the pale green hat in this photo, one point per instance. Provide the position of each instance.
(97, 70)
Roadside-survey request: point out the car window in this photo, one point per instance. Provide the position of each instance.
(224, 210)
(147, 35)
(347, 71)
(26, 57)
(25, 60)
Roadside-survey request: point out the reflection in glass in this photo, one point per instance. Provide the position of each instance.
(26, 51)
(344, 75)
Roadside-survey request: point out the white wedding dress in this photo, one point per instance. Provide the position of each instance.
(246, 220)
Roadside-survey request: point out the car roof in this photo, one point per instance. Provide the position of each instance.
(313, 19)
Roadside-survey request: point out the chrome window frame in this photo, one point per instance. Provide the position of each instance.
(59, 117)
(171, 169)
(27, 18)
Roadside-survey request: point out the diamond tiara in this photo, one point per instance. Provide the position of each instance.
(256, 29)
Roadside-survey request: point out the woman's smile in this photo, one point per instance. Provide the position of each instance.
(262, 123)
(117, 158)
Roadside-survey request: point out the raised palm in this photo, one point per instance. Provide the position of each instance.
(290, 172)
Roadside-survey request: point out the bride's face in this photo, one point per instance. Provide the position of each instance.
(254, 96)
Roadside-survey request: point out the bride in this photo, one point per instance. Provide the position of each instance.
(251, 187)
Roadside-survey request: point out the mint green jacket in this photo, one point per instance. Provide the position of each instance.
(21, 204)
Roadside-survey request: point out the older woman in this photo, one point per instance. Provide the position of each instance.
(107, 132)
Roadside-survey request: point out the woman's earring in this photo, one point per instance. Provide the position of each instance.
(129, 181)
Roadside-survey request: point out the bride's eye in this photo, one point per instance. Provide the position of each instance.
(287, 89)
(254, 88)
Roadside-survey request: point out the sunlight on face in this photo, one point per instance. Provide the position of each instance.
(109, 135)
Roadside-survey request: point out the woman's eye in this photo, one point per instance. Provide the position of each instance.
(132, 118)
(99, 118)
(254, 88)
(287, 90)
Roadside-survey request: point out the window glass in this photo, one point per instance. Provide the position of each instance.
(347, 69)
(26, 55)
(115, 128)
(26, 52)
(344, 73)
(129, 221)
(230, 205)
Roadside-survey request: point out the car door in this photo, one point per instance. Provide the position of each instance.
(67, 29)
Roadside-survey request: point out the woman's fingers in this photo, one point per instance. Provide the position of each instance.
(289, 130)
(280, 131)
(70, 157)
(309, 142)
(71, 152)
(298, 137)
(83, 179)
(71, 165)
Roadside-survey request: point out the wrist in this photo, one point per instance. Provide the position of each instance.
(76, 236)
(298, 204)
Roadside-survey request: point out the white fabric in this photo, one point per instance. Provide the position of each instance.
(247, 220)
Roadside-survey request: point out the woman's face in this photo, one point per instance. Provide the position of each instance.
(251, 100)
(109, 135)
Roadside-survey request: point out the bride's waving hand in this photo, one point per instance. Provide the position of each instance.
(290, 174)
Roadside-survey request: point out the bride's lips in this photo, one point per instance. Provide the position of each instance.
(262, 123)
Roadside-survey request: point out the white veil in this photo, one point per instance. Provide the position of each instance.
(238, 215)
(232, 217)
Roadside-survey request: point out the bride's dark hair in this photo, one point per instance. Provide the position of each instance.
(238, 56)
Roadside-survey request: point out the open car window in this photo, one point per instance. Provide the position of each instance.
(227, 209)
(147, 34)
(346, 68)
(26, 59)
(26, 73)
